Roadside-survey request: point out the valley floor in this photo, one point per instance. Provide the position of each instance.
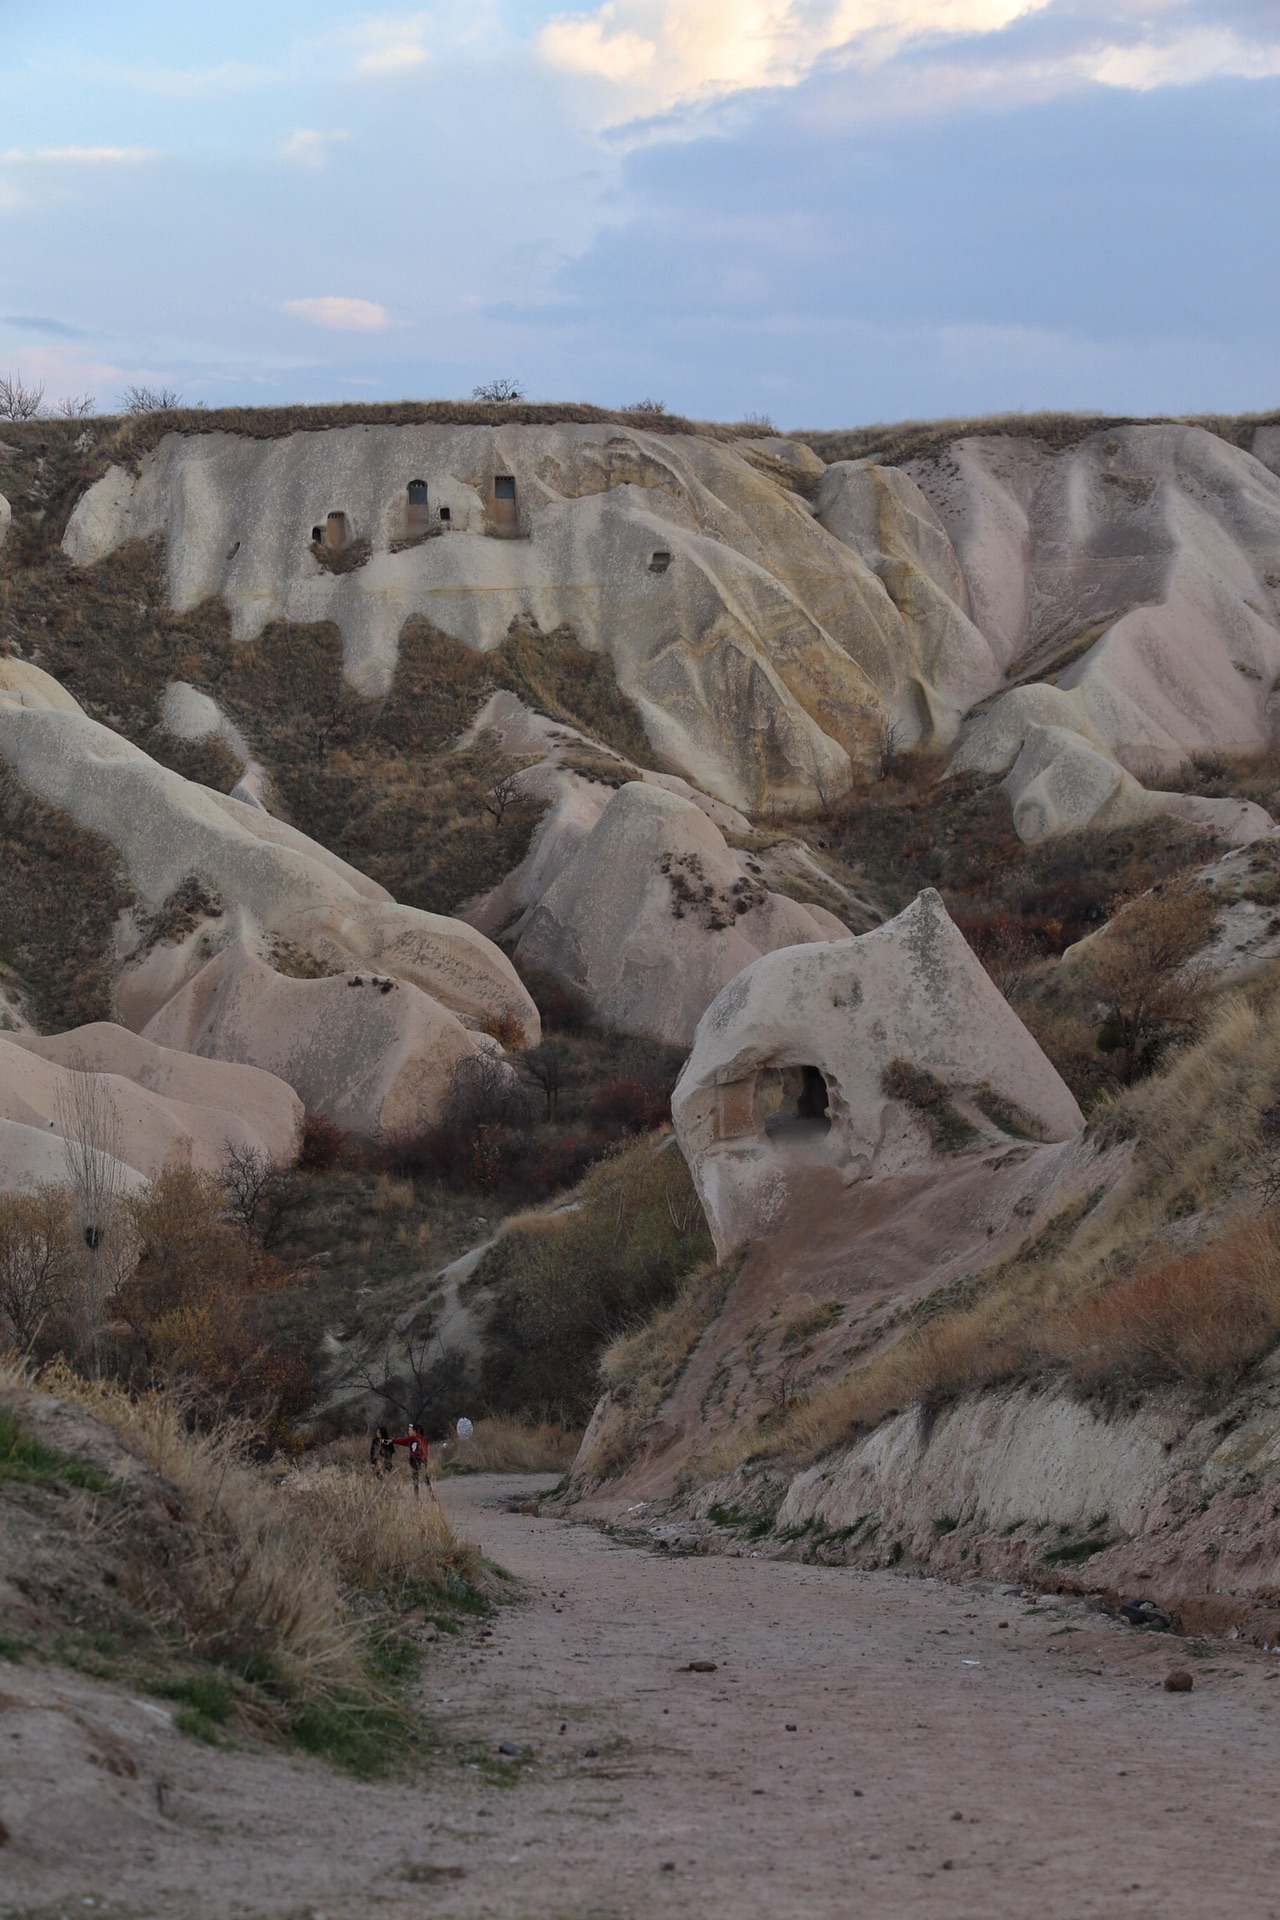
(866, 1743)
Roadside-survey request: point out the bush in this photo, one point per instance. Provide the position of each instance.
(322, 1145)
(566, 1284)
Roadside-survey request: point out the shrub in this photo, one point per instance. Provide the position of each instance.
(565, 1284)
(1138, 970)
(322, 1145)
(628, 1106)
(931, 1102)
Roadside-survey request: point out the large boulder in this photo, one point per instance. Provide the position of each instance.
(654, 913)
(850, 1055)
(764, 657)
(1061, 783)
(372, 1053)
(172, 1109)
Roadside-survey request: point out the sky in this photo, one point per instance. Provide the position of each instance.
(822, 212)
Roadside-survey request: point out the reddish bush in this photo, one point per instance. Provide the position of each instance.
(322, 1144)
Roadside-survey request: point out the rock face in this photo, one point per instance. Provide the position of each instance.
(788, 1068)
(1133, 571)
(882, 516)
(32, 1157)
(763, 655)
(653, 914)
(1061, 782)
(215, 877)
(6, 519)
(372, 1053)
(172, 1109)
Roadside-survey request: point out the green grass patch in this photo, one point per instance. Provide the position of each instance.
(753, 1525)
(1075, 1551)
(29, 1461)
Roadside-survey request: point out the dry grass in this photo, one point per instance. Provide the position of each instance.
(504, 1444)
(893, 445)
(1097, 1295)
(261, 1578)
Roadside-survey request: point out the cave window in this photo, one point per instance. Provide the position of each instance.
(317, 535)
(417, 493)
(504, 487)
(445, 515)
(659, 562)
(336, 531)
(802, 1098)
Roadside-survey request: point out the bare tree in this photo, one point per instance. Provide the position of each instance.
(498, 390)
(388, 1378)
(139, 399)
(260, 1195)
(1151, 998)
(18, 400)
(90, 1128)
(646, 406)
(501, 794)
(544, 1065)
(76, 406)
(37, 1257)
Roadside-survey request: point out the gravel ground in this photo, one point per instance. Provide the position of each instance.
(866, 1744)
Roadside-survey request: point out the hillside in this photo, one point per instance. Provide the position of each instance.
(781, 929)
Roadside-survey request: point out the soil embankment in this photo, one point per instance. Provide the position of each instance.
(864, 1742)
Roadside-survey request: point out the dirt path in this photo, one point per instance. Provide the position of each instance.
(866, 1744)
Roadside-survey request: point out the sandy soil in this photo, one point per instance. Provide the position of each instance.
(866, 1744)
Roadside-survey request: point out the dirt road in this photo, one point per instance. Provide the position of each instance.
(866, 1745)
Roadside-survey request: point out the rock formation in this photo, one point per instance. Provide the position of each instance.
(653, 914)
(851, 1056)
(172, 1109)
(763, 655)
(224, 889)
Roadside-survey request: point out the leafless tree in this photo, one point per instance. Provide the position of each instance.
(501, 794)
(544, 1065)
(37, 1255)
(498, 390)
(76, 406)
(260, 1195)
(139, 399)
(90, 1128)
(401, 1357)
(18, 400)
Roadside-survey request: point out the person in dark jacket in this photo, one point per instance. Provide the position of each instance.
(416, 1441)
(382, 1452)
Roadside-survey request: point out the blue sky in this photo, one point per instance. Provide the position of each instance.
(829, 211)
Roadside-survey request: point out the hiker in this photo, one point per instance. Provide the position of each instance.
(382, 1453)
(416, 1441)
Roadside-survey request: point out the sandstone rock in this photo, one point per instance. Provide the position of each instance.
(372, 1053)
(1061, 783)
(654, 913)
(169, 830)
(762, 655)
(788, 1061)
(881, 514)
(172, 1110)
(1134, 570)
(32, 1157)
(6, 519)
(242, 1104)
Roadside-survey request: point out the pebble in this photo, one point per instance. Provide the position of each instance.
(510, 1748)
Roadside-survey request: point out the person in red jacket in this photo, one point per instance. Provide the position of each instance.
(416, 1441)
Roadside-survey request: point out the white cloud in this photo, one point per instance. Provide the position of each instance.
(663, 54)
(77, 156)
(1203, 53)
(347, 316)
(392, 43)
(187, 83)
(306, 147)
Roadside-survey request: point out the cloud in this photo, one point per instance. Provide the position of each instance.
(308, 148)
(40, 323)
(392, 44)
(187, 83)
(345, 315)
(77, 156)
(664, 54)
